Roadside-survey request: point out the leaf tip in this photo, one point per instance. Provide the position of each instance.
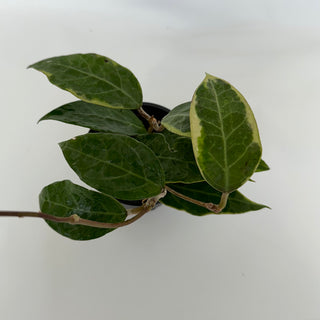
(210, 77)
(264, 206)
(61, 144)
(266, 167)
(31, 66)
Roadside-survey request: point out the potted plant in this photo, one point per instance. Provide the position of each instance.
(192, 159)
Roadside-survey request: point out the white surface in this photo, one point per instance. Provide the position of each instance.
(169, 265)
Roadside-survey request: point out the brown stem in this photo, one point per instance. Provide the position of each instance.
(216, 208)
(154, 124)
(76, 220)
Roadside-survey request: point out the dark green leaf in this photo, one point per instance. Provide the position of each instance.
(202, 191)
(176, 157)
(262, 166)
(115, 164)
(178, 121)
(224, 135)
(63, 199)
(97, 118)
(93, 78)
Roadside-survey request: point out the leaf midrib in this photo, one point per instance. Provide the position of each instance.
(223, 138)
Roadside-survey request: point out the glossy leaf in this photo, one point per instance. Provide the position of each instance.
(176, 157)
(202, 191)
(178, 121)
(97, 118)
(93, 78)
(262, 166)
(224, 135)
(63, 199)
(117, 165)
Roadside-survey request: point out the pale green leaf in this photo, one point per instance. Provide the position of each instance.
(178, 122)
(224, 135)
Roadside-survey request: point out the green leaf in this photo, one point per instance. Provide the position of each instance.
(178, 121)
(93, 78)
(97, 118)
(115, 164)
(202, 191)
(176, 158)
(63, 199)
(224, 135)
(262, 166)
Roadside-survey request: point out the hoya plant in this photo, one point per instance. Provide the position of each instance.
(193, 159)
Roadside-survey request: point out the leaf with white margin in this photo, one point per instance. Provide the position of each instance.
(178, 122)
(224, 135)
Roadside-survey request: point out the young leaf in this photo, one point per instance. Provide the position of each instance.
(97, 118)
(262, 166)
(93, 78)
(177, 159)
(202, 191)
(224, 135)
(177, 120)
(115, 164)
(63, 199)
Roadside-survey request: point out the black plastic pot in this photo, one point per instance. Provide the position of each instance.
(158, 112)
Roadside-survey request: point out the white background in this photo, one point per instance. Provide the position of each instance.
(169, 265)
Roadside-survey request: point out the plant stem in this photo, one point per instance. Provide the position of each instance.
(76, 220)
(216, 208)
(154, 124)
